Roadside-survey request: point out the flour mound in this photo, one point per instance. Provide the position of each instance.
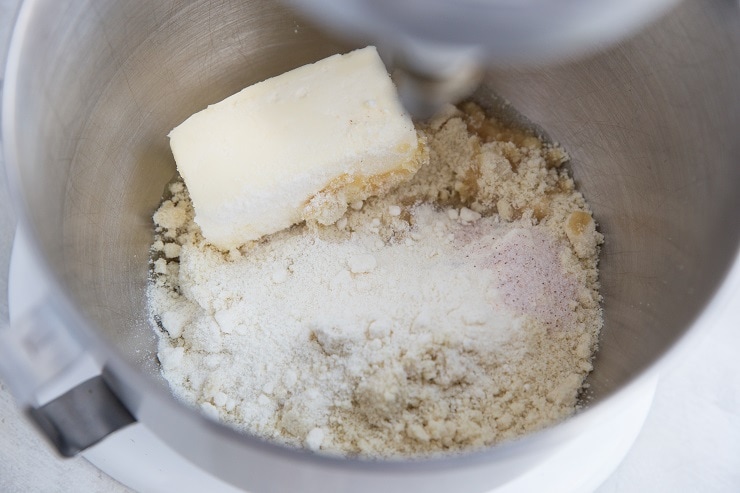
(457, 311)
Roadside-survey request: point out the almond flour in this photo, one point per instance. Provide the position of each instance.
(457, 311)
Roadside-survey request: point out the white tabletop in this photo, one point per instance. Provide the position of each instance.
(690, 442)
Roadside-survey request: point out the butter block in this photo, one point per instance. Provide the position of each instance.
(299, 146)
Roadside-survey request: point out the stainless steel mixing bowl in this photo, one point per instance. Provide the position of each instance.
(93, 87)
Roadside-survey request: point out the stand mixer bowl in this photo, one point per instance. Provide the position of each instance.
(92, 89)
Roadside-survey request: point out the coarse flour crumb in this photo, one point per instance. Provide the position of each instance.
(457, 311)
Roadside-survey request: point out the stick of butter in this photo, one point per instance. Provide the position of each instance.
(299, 146)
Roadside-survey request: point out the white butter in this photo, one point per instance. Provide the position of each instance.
(299, 146)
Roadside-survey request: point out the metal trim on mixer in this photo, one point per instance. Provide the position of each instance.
(81, 417)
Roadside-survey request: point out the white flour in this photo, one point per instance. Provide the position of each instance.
(407, 328)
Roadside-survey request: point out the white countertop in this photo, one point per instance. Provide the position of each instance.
(690, 441)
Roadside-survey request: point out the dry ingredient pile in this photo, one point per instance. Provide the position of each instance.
(459, 310)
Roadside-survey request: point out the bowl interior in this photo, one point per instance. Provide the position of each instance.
(651, 127)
